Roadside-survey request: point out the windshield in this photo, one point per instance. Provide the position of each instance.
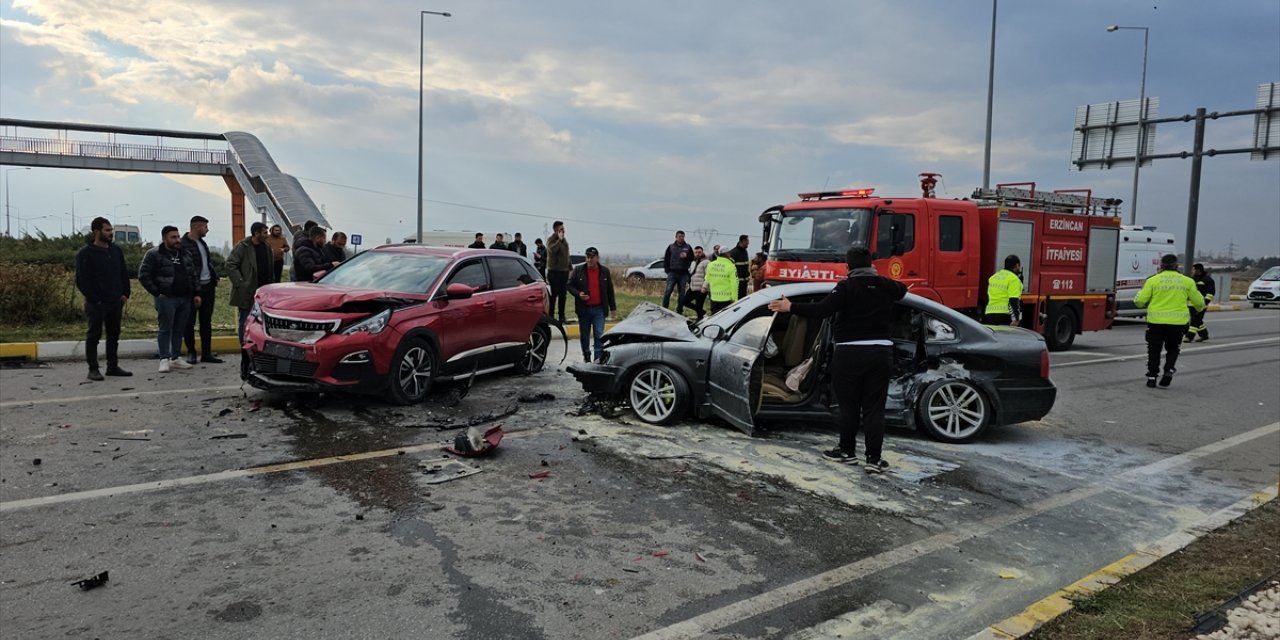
(388, 271)
(822, 235)
(1271, 274)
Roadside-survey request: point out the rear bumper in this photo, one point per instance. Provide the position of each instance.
(1022, 402)
(597, 378)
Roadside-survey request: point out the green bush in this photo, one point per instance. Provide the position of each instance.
(33, 293)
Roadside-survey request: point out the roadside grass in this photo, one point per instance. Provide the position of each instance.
(1162, 601)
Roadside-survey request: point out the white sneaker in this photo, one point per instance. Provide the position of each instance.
(179, 363)
(164, 365)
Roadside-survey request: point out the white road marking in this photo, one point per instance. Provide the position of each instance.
(1074, 352)
(1143, 355)
(706, 623)
(112, 396)
(1213, 321)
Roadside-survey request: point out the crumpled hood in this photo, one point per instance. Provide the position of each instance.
(651, 320)
(305, 296)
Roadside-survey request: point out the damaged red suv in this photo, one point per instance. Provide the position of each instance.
(398, 318)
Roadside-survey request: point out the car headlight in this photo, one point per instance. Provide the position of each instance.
(373, 325)
(256, 313)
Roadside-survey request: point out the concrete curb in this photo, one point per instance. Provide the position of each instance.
(1062, 601)
(1231, 306)
(74, 349)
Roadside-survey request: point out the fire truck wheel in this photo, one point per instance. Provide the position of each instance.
(953, 411)
(1060, 332)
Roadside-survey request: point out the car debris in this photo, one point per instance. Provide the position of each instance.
(537, 397)
(473, 443)
(133, 439)
(92, 582)
(229, 436)
(36, 462)
(223, 412)
(447, 471)
(540, 475)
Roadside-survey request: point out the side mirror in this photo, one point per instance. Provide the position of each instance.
(713, 332)
(458, 291)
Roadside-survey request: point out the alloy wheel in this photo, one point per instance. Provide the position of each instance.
(415, 371)
(653, 395)
(956, 410)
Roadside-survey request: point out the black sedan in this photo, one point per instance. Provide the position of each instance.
(953, 377)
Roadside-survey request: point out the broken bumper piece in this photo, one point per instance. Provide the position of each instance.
(598, 378)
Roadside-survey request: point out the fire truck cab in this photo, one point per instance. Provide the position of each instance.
(945, 250)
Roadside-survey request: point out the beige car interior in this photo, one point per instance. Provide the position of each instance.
(797, 340)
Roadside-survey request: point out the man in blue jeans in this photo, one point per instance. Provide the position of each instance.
(168, 273)
(676, 262)
(592, 289)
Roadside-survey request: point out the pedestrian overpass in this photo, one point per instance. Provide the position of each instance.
(239, 158)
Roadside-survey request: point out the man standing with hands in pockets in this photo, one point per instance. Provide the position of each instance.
(593, 301)
(863, 360)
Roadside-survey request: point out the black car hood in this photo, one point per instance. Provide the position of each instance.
(649, 320)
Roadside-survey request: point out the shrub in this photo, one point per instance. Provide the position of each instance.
(32, 293)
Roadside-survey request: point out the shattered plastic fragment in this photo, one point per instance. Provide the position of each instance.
(472, 442)
(92, 582)
(541, 475)
(661, 554)
(1009, 574)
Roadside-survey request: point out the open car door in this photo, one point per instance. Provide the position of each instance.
(734, 378)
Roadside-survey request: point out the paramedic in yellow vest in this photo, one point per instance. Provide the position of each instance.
(722, 282)
(1166, 296)
(1004, 294)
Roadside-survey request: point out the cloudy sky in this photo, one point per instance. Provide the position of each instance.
(628, 120)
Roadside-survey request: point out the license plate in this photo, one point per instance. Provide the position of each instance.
(284, 351)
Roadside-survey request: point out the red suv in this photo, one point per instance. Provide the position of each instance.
(398, 318)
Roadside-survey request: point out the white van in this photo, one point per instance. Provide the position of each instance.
(1137, 260)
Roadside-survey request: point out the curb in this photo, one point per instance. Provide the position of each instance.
(1062, 601)
(1231, 306)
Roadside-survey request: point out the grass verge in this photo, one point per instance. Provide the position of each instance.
(1162, 601)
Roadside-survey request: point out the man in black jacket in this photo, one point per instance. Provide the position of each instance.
(592, 291)
(335, 250)
(742, 262)
(863, 360)
(517, 245)
(193, 243)
(168, 273)
(307, 256)
(103, 280)
(675, 262)
(1198, 330)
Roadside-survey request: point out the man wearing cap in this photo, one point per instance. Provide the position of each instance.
(1166, 296)
(592, 291)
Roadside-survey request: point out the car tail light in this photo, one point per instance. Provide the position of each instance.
(1044, 365)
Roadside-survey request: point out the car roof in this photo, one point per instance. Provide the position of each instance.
(443, 252)
(823, 288)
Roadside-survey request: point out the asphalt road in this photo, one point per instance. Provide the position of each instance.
(223, 512)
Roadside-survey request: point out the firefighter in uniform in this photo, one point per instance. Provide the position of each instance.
(1166, 297)
(742, 264)
(1004, 294)
(1204, 284)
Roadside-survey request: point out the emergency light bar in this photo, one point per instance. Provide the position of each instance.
(848, 193)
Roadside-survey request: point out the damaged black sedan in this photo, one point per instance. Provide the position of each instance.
(953, 377)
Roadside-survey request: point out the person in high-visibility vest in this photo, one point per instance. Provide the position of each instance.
(1166, 296)
(1204, 284)
(1004, 294)
(722, 282)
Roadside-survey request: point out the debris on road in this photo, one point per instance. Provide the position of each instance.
(134, 439)
(446, 471)
(482, 418)
(1009, 574)
(699, 557)
(661, 554)
(92, 582)
(473, 443)
(540, 475)
(229, 436)
(224, 412)
(537, 397)
(36, 462)
(255, 405)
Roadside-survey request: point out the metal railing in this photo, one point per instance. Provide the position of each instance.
(112, 150)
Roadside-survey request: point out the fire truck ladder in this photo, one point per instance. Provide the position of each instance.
(1054, 201)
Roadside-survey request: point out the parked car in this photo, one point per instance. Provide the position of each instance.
(651, 271)
(1266, 289)
(398, 318)
(953, 377)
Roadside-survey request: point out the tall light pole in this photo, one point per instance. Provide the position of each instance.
(6, 198)
(1142, 113)
(991, 83)
(73, 209)
(116, 208)
(422, 56)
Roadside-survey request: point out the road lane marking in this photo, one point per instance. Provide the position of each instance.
(1143, 355)
(711, 621)
(113, 396)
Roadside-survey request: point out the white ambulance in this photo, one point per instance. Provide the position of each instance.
(1137, 260)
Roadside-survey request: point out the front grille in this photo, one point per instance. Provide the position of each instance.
(295, 330)
(272, 365)
(1261, 295)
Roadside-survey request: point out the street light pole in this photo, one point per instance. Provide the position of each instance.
(7, 231)
(422, 56)
(991, 83)
(1142, 113)
(117, 208)
(73, 208)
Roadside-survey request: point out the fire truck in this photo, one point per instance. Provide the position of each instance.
(945, 250)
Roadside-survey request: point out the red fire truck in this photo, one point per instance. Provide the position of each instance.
(945, 250)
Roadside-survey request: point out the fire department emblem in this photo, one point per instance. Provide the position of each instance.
(895, 269)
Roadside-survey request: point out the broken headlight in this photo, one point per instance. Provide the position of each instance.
(256, 313)
(372, 325)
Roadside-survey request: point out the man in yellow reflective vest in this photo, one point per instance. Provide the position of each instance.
(722, 282)
(1004, 294)
(1166, 296)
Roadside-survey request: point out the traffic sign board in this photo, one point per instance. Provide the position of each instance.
(355, 239)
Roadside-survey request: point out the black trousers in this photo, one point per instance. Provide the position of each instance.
(108, 314)
(860, 382)
(742, 287)
(279, 269)
(717, 306)
(1168, 337)
(559, 281)
(1197, 325)
(695, 299)
(205, 316)
(999, 319)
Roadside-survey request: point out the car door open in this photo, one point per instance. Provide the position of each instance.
(733, 384)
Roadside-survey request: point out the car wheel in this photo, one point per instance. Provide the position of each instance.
(412, 371)
(535, 353)
(954, 411)
(658, 394)
(1060, 333)
(635, 276)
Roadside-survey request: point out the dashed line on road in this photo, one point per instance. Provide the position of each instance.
(112, 396)
(704, 624)
(1143, 355)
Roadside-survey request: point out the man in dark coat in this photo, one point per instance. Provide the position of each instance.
(593, 301)
(307, 256)
(193, 243)
(103, 280)
(517, 245)
(168, 273)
